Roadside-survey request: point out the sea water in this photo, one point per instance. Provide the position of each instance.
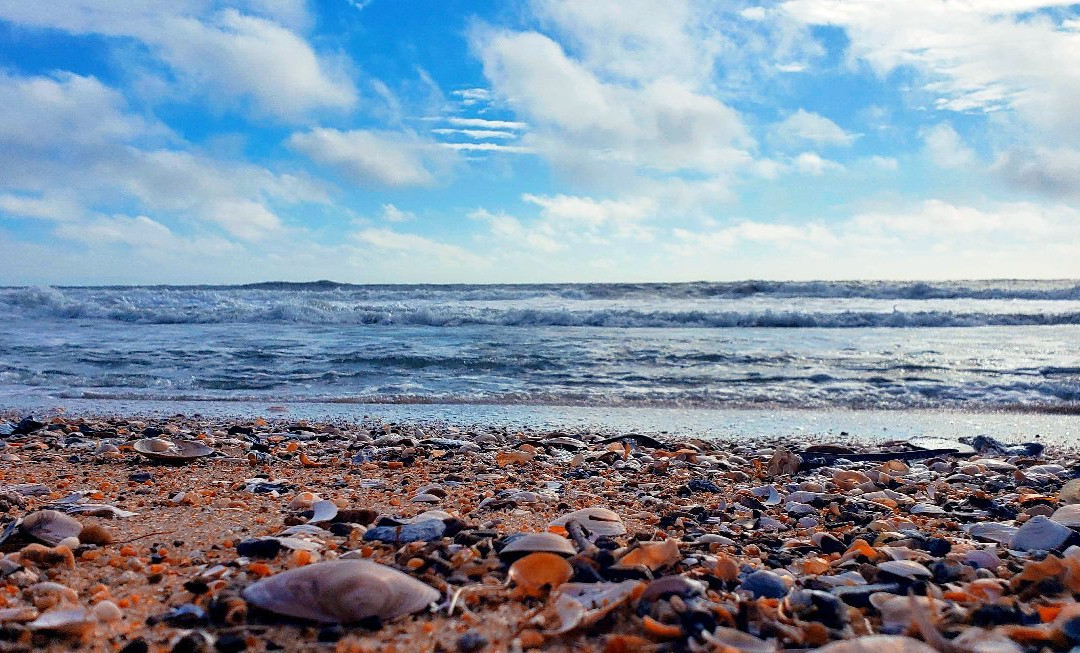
(970, 346)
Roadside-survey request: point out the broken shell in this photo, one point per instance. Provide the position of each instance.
(580, 604)
(538, 573)
(341, 591)
(178, 451)
(50, 526)
(671, 586)
(598, 521)
(538, 542)
(1068, 515)
(652, 555)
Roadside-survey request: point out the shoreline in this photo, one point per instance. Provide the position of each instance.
(731, 541)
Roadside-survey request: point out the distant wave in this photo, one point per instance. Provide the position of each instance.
(146, 306)
(1049, 290)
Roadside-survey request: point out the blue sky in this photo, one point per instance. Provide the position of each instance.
(192, 141)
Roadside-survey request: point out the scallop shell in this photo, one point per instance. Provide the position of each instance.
(598, 521)
(539, 542)
(164, 450)
(341, 591)
(50, 526)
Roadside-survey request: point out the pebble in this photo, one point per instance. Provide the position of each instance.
(424, 531)
(1040, 534)
(764, 584)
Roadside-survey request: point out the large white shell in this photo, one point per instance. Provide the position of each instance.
(598, 521)
(878, 644)
(534, 542)
(72, 621)
(341, 591)
(50, 526)
(325, 511)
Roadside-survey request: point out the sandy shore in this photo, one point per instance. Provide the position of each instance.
(744, 545)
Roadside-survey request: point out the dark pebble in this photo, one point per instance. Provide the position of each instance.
(424, 531)
(704, 485)
(472, 641)
(136, 646)
(830, 544)
(765, 585)
(331, 633)
(26, 426)
(859, 595)
(938, 547)
(140, 477)
(230, 643)
(262, 547)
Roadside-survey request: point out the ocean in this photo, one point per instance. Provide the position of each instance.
(962, 345)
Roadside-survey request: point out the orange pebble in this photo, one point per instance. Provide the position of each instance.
(259, 568)
(128, 551)
(301, 558)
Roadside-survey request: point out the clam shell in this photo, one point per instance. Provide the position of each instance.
(538, 572)
(598, 521)
(50, 526)
(172, 450)
(341, 591)
(73, 621)
(539, 542)
(905, 569)
(652, 555)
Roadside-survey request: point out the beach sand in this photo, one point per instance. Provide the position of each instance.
(699, 526)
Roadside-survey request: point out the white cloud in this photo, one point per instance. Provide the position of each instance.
(578, 120)
(946, 149)
(487, 147)
(72, 148)
(804, 127)
(227, 55)
(375, 157)
(478, 134)
(809, 163)
(413, 246)
(509, 231)
(391, 213)
(485, 123)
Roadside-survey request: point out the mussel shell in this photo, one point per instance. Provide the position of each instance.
(181, 450)
(341, 591)
(50, 526)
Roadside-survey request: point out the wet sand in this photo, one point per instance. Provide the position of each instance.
(736, 543)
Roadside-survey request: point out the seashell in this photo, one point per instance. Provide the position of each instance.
(983, 559)
(1068, 515)
(426, 498)
(325, 511)
(992, 532)
(538, 542)
(729, 639)
(926, 509)
(848, 480)
(768, 495)
(671, 586)
(815, 605)
(652, 555)
(897, 612)
(303, 501)
(177, 451)
(49, 595)
(50, 526)
(433, 489)
(1039, 534)
(107, 611)
(581, 604)
(1070, 492)
(598, 521)
(538, 573)
(894, 467)
(341, 591)
(100, 510)
(908, 569)
(878, 644)
(69, 621)
(980, 640)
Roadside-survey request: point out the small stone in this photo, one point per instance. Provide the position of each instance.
(230, 643)
(95, 534)
(704, 485)
(1067, 515)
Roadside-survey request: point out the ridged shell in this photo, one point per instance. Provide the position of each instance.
(171, 450)
(341, 591)
(598, 521)
(50, 526)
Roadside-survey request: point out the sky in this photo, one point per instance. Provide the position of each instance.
(447, 141)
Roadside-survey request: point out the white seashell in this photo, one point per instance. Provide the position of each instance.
(580, 604)
(341, 591)
(50, 526)
(729, 639)
(539, 542)
(71, 621)
(905, 569)
(598, 521)
(878, 644)
(325, 510)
